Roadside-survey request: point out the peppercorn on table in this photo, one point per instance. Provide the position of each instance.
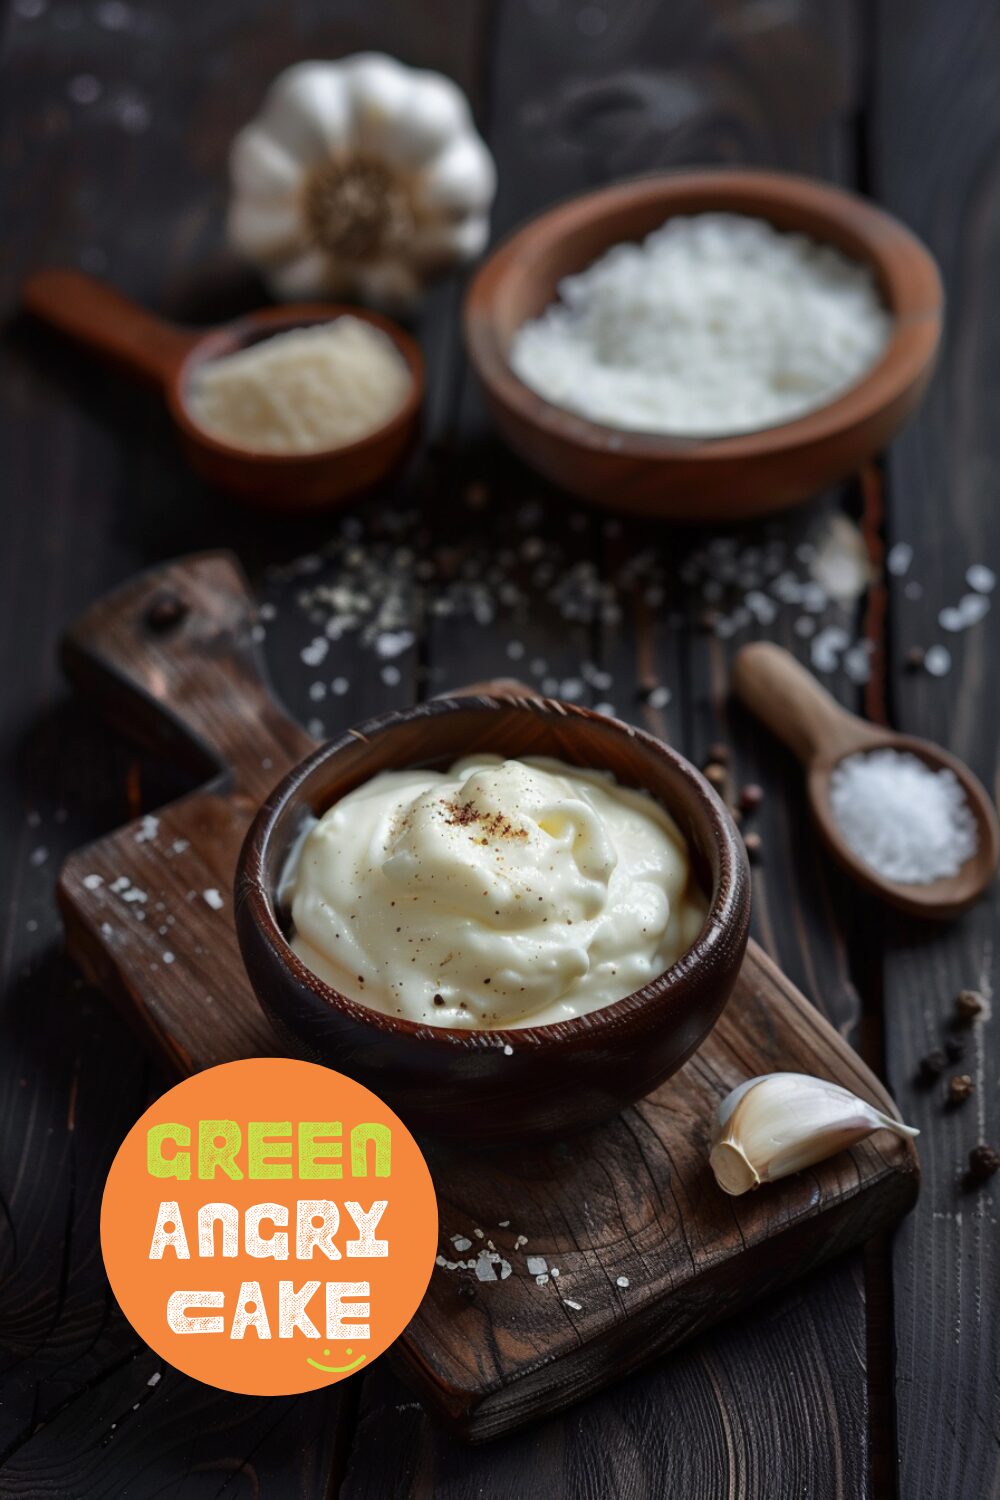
(876, 1376)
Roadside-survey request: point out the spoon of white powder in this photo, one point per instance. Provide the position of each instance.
(715, 324)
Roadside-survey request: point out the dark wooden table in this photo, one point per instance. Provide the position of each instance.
(881, 1375)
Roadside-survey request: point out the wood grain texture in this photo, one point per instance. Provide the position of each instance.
(935, 103)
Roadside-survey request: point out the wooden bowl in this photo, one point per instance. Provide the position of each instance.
(296, 481)
(495, 1087)
(697, 478)
(167, 357)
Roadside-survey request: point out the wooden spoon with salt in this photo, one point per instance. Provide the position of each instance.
(790, 701)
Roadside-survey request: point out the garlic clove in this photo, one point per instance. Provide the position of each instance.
(379, 92)
(772, 1126)
(267, 231)
(308, 111)
(438, 242)
(437, 113)
(303, 275)
(260, 167)
(462, 178)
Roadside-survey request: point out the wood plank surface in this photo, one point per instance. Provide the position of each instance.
(937, 104)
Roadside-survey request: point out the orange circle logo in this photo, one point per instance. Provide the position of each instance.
(269, 1226)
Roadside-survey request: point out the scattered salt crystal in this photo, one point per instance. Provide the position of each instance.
(339, 686)
(491, 1266)
(154, 1379)
(180, 846)
(973, 608)
(522, 1239)
(317, 691)
(168, 957)
(391, 676)
(316, 728)
(461, 1243)
(212, 898)
(537, 1264)
(857, 662)
(826, 647)
(313, 655)
(394, 642)
(898, 559)
(907, 822)
(113, 15)
(576, 1306)
(554, 1271)
(508, 1050)
(147, 830)
(763, 609)
(937, 661)
(981, 578)
(503, 1223)
(479, 1234)
(84, 89)
(841, 566)
(621, 1281)
(92, 882)
(38, 856)
(541, 1279)
(951, 619)
(659, 697)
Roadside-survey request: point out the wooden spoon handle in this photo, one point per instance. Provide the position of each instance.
(790, 701)
(94, 314)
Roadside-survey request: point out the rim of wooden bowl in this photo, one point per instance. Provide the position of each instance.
(728, 909)
(239, 334)
(907, 275)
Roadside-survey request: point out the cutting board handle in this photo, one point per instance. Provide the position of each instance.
(171, 660)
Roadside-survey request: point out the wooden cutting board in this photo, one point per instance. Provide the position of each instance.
(648, 1251)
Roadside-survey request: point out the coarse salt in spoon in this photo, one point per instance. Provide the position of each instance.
(828, 740)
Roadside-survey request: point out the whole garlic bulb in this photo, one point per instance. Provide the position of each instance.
(359, 177)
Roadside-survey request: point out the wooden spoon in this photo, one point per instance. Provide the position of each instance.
(792, 704)
(166, 356)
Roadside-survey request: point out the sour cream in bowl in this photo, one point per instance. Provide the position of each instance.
(508, 917)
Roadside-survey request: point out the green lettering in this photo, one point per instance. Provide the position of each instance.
(315, 1148)
(261, 1139)
(381, 1137)
(218, 1143)
(177, 1165)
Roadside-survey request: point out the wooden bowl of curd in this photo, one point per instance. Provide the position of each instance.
(494, 1087)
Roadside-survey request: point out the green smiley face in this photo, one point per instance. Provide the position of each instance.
(337, 1369)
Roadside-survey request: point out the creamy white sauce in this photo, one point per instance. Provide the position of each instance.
(495, 894)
